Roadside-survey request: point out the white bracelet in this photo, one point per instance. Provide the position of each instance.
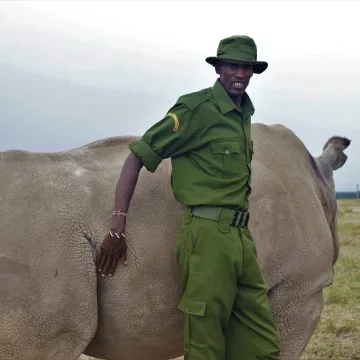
(116, 234)
(117, 212)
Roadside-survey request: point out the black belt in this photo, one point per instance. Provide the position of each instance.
(239, 217)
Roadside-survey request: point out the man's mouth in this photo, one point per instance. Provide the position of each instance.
(238, 85)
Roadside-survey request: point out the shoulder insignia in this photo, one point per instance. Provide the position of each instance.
(176, 120)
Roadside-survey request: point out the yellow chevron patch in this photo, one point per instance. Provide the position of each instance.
(176, 121)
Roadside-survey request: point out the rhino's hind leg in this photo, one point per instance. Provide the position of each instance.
(297, 319)
(48, 308)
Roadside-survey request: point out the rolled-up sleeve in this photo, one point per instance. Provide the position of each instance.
(176, 133)
(147, 155)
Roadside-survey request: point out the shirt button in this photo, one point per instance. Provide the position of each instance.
(227, 152)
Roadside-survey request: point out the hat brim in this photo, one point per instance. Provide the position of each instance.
(258, 66)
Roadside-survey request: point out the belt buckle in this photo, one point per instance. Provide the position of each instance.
(240, 218)
(245, 218)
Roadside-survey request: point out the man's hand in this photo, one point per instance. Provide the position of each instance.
(112, 250)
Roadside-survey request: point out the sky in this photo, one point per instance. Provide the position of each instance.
(134, 59)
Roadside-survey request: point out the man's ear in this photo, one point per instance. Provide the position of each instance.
(217, 68)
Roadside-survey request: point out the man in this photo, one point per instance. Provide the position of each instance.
(207, 136)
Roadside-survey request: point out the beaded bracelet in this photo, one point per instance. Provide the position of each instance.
(117, 212)
(116, 234)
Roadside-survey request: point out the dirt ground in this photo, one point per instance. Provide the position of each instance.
(338, 334)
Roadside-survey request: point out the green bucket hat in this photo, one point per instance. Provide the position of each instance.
(238, 49)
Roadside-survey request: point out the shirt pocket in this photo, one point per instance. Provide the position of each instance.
(227, 158)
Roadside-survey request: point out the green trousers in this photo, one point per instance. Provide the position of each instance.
(223, 294)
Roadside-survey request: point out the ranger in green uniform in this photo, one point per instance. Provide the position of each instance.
(207, 135)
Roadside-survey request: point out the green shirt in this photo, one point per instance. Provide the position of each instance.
(209, 142)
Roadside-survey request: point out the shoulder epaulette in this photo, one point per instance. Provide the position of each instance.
(194, 99)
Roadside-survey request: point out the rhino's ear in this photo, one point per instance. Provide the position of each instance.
(334, 151)
(340, 161)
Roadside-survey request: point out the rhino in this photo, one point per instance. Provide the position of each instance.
(56, 209)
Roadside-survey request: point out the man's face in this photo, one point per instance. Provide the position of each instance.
(234, 77)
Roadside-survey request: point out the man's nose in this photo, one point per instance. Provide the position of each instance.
(243, 71)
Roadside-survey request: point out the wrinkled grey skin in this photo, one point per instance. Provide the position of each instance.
(56, 208)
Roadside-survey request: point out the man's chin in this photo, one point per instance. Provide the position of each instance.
(237, 92)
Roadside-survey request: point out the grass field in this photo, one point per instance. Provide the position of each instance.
(338, 334)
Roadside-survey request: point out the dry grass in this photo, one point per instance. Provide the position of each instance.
(338, 334)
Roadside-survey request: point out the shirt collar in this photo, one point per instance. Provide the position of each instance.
(224, 101)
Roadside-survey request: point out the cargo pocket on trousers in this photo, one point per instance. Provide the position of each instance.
(191, 307)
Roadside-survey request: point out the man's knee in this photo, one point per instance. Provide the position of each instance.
(271, 351)
(274, 355)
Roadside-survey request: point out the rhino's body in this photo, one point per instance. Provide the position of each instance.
(56, 208)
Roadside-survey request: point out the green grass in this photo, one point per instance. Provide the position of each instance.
(338, 333)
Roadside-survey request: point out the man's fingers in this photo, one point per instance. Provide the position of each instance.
(102, 260)
(108, 258)
(113, 267)
(107, 265)
(123, 258)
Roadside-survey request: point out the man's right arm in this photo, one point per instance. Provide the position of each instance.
(114, 247)
(176, 133)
